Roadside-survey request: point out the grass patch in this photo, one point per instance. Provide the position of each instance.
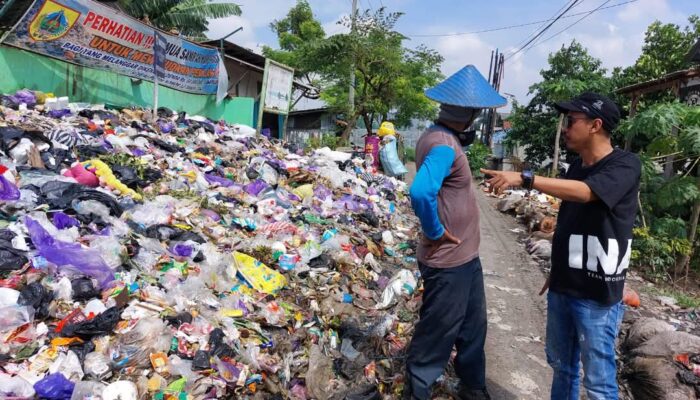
(683, 299)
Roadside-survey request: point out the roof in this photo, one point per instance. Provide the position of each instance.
(239, 53)
(665, 82)
(248, 57)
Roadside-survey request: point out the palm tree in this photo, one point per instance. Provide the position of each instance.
(187, 17)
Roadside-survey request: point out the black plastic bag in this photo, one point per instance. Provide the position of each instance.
(60, 195)
(11, 259)
(201, 361)
(82, 349)
(102, 324)
(217, 346)
(84, 289)
(88, 152)
(322, 261)
(164, 112)
(168, 232)
(37, 296)
(369, 218)
(179, 319)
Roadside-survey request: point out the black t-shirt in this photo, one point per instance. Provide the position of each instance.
(592, 243)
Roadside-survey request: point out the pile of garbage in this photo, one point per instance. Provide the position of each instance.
(174, 257)
(658, 347)
(538, 212)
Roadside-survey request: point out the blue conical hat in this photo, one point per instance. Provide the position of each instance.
(466, 88)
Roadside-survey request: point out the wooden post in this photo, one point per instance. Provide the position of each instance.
(555, 162)
(633, 111)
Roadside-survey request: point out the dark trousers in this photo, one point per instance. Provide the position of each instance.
(453, 314)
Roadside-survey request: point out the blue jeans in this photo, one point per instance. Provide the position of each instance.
(580, 330)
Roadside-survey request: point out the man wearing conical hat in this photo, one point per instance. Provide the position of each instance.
(453, 313)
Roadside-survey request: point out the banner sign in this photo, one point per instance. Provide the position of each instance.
(87, 33)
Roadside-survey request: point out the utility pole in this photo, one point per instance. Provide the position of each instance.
(351, 89)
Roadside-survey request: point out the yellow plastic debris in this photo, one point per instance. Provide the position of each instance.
(258, 275)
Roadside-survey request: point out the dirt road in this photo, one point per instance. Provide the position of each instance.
(516, 362)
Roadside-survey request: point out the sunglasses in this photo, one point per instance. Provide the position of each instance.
(570, 120)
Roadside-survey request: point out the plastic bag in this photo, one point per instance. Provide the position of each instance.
(8, 190)
(8, 297)
(255, 187)
(54, 387)
(102, 324)
(258, 275)
(96, 365)
(14, 386)
(68, 364)
(389, 157)
(121, 390)
(87, 261)
(12, 317)
(38, 297)
(83, 289)
(150, 335)
(109, 248)
(215, 179)
(87, 390)
(62, 220)
(402, 283)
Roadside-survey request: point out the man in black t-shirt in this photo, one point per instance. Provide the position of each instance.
(590, 250)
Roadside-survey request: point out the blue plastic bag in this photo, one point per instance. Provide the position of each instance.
(87, 261)
(54, 387)
(62, 220)
(389, 157)
(8, 190)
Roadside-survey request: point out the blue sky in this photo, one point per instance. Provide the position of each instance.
(614, 35)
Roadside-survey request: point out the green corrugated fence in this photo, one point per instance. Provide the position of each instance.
(22, 69)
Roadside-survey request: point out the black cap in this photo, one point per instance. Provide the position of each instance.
(594, 105)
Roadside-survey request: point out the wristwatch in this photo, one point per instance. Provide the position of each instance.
(528, 179)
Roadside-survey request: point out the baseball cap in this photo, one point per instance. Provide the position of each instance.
(594, 105)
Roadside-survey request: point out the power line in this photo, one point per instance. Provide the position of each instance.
(502, 28)
(531, 34)
(541, 32)
(569, 26)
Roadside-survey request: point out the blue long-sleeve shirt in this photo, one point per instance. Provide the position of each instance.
(426, 186)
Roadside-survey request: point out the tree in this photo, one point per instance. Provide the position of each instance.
(571, 72)
(664, 51)
(296, 31)
(389, 77)
(187, 17)
(669, 200)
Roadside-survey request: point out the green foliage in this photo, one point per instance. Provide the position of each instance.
(388, 76)
(684, 300)
(478, 155)
(410, 154)
(327, 140)
(656, 251)
(677, 191)
(571, 71)
(296, 32)
(664, 51)
(188, 17)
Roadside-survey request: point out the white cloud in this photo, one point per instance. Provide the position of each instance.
(221, 27)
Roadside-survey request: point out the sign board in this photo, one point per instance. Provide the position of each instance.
(277, 87)
(276, 94)
(88, 33)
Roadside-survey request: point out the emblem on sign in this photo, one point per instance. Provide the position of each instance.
(52, 22)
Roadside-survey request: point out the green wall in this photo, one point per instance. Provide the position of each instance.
(22, 69)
